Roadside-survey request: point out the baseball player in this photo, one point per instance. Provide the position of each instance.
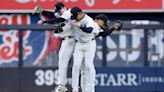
(85, 32)
(51, 21)
(68, 42)
(101, 20)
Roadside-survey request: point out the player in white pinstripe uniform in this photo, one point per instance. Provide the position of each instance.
(68, 43)
(101, 20)
(85, 32)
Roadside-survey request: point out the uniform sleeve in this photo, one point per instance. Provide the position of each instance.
(106, 32)
(49, 14)
(86, 29)
(96, 29)
(54, 20)
(88, 26)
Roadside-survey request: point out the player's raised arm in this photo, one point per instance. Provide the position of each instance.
(49, 14)
(101, 20)
(54, 20)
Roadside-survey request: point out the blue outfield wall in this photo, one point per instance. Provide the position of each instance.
(113, 79)
(124, 68)
(41, 47)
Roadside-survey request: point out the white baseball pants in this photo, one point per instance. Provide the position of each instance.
(84, 52)
(65, 53)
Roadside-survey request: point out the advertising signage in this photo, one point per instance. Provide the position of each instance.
(26, 6)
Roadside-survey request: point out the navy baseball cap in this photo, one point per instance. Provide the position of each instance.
(102, 17)
(58, 6)
(75, 11)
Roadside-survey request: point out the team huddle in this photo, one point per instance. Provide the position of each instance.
(78, 32)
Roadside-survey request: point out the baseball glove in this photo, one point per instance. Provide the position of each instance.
(58, 27)
(37, 10)
(118, 25)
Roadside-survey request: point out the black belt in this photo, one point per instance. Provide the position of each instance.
(67, 37)
(85, 42)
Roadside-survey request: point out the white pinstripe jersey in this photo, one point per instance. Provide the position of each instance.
(68, 31)
(82, 36)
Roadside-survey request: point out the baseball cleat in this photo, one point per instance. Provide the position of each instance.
(60, 88)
